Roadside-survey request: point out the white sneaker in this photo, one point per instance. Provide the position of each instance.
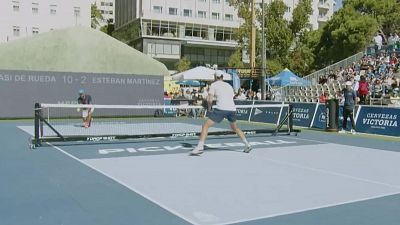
(353, 131)
(342, 131)
(248, 149)
(197, 151)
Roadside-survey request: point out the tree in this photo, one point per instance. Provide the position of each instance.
(183, 64)
(301, 60)
(95, 16)
(109, 28)
(301, 15)
(279, 37)
(235, 60)
(242, 34)
(386, 12)
(273, 67)
(347, 33)
(128, 33)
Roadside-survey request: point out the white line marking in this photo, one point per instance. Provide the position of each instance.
(307, 209)
(315, 113)
(303, 139)
(331, 173)
(125, 185)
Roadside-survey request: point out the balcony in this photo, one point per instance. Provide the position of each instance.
(323, 18)
(324, 5)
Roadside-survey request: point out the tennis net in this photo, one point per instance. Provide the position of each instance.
(64, 122)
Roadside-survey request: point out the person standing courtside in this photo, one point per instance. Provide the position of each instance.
(85, 99)
(350, 99)
(224, 109)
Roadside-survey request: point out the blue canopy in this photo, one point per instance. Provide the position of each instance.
(192, 83)
(287, 78)
(235, 79)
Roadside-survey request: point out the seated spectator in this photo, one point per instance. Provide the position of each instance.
(188, 95)
(378, 89)
(323, 97)
(241, 95)
(250, 95)
(181, 95)
(166, 95)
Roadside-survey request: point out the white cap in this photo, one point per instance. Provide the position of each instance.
(348, 83)
(357, 78)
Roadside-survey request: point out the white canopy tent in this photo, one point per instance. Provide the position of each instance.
(200, 73)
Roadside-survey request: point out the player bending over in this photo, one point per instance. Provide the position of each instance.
(86, 112)
(225, 108)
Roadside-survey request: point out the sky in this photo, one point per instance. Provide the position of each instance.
(339, 4)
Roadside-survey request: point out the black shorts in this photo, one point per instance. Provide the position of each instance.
(218, 115)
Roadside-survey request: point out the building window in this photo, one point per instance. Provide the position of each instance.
(35, 8)
(102, 3)
(187, 13)
(35, 30)
(215, 16)
(216, 1)
(53, 9)
(227, 2)
(288, 9)
(77, 11)
(202, 0)
(202, 14)
(157, 9)
(16, 31)
(173, 11)
(229, 17)
(16, 6)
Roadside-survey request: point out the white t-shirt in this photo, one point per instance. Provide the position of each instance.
(378, 40)
(241, 96)
(224, 94)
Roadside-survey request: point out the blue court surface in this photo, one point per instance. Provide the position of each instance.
(315, 178)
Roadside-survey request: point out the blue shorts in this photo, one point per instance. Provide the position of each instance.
(218, 115)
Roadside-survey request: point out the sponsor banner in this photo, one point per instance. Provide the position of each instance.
(242, 113)
(268, 115)
(376, 120)
(303, 113)
(20, 90)
(320, 117)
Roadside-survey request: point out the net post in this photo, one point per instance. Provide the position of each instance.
(36, 141)
(290, 120)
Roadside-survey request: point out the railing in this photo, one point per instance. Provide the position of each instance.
(314, 77)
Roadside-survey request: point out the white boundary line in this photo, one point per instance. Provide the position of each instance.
(332, 173)
(323, 206)
(307, 209)
(261, 217)
(304, 139)
(125, 185)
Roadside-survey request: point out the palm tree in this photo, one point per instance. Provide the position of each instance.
(95, 15)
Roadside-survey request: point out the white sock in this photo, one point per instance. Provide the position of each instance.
(200, 144)
(245, 142)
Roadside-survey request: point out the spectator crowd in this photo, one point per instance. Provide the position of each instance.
(371, 77)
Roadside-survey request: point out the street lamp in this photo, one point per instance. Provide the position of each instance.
(264, 56)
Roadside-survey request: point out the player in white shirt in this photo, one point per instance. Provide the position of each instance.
(224, 109)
